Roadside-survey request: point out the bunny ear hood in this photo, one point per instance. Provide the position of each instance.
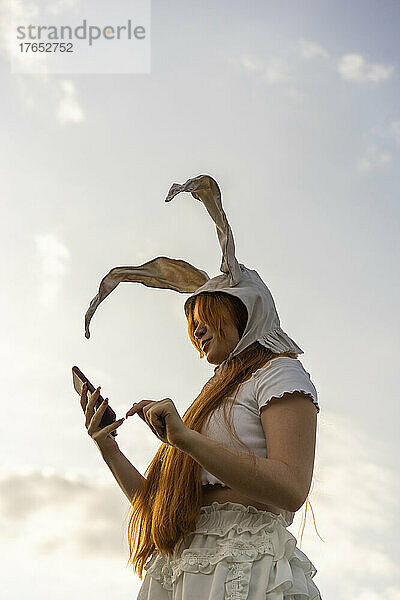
(263, 323)
(205, 189)
(161, 272)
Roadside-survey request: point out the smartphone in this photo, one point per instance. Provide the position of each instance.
(79, 379)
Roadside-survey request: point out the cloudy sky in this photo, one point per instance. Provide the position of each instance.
(292, 106)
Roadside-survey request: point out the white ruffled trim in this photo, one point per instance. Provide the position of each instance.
(291, 571)
(278, 341)
(295, 389)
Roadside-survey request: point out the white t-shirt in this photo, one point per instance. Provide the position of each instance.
(281, 375)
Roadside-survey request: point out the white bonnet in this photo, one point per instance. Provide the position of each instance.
(263, 323)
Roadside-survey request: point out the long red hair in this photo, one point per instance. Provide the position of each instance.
(166, 507)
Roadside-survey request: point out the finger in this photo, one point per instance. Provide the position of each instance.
(160, 431)
(144, 403)
(84, 396)
(145, 412)
(156, 424)
(132, 410)
(104, 431)
(95, 420)
(135, 410)
(89, 407)
(153, 429)
(138, 408)
(156, 421)
(93, 395)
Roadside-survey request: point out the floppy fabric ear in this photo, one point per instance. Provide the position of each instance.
(161, 272)
(205, 189)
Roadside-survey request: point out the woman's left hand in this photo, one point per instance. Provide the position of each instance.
(163, 419)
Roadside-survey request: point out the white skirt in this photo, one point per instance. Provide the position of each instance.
(236, 552)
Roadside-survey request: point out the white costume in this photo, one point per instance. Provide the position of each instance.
(236, 552)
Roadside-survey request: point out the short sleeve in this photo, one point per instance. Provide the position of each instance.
(281, 376)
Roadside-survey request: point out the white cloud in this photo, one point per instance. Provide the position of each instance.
(389, 132)
(58, 525)
(311, 49)
(391, 592)
(294, 94)
(59, 516)
(39, 92)
(69, 110)
(394, 131)
(60, 97)
(380, 143)
(273, 70)
(251, 63)
(54, 514)
(15, 9)
(356, 508)
(373, 157)
(55, 7)
(276, 71)
(53, 260)
(353, 67)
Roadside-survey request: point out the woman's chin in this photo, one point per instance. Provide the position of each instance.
(210, 358)
(214, 360)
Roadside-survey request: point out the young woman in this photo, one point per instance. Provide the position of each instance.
(209, 519)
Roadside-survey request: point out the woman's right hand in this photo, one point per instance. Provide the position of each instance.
(100, 435)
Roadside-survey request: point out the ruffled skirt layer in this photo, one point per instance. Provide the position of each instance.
(236, 552)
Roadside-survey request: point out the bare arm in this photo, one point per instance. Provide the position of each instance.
(126, 475)
(283, 479)
(262, 479)
(128, 478)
